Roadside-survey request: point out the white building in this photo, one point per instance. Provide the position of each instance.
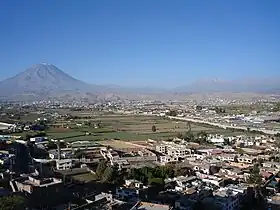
(246, 159)
(226, 157)
(168, 159)
(217, 140)
(135, 183)
(161, 148)
(63, 164)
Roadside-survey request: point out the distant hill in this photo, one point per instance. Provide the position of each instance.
(41, 80)
(46, 81)
(264, 85)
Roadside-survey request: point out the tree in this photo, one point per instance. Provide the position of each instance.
(27, 137)
(255, 177)
(156, 181)
(12, 202)
(51, 145)
(198, 108)
(219, 110)
(202, 136)
(101, 168)
(154, 128)
(227, 142)
(107, 174)
(179, 135)
(179, 171)
(189, 127)
(172, 113)
(79, 153)
(214, 169)
(188, 136)
(277, 135)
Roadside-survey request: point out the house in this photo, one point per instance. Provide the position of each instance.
(43, 192)
(150, 206)
(226, 157)
(229, 198)
(6, 158)
(133, 182)
(64, 164)
(167, 159)
(54, 154)
(271, 165)
(200, 166)
(127, 193)
(246, 159)
(37, 139)
(216, 140)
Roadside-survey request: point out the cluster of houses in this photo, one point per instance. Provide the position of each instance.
(219, 172)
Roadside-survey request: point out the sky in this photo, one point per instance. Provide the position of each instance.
(154, 43)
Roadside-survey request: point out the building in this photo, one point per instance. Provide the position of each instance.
(43, 193)
(172, 149)
(161, 148)
(127, 193)
(228, 198)
(32, 185)
(168, 159)
(150, 206)
(216, 140)
(271, 165)
(226, 157)
(37, 139)
(63, 164)
(54, 154)
(179, 151)
(246, 159)
(134, 183)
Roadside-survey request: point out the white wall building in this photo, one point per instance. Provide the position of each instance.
(63, 164)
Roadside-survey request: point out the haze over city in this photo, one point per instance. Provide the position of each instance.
(143, 43)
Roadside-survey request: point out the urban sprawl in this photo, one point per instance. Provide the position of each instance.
(187, 155)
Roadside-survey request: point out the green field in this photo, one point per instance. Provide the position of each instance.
(124, 127)
(129, 128)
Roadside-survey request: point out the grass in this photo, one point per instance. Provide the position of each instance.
(130, 128)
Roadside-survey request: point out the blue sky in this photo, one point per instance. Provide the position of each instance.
(143, 42)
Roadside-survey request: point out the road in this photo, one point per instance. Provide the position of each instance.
(224, 126)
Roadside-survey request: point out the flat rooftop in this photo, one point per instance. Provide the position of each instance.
(41, 182)
(152, 206)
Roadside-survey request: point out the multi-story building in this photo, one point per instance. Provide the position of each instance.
(161, 148)
(179, 151)
(173, 150)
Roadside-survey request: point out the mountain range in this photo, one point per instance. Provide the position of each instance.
(45, 81)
